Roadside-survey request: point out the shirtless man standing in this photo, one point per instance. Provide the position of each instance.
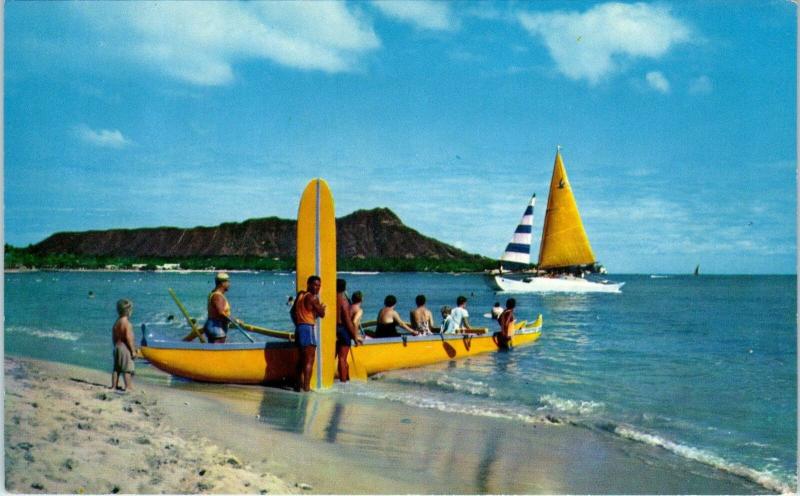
(124, 348)
(345, 330)
(506, 322)
(308, 308)
(219, 310)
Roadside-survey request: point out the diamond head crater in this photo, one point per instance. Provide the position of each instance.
(367, 240)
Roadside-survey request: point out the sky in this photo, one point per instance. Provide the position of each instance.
(677, 120)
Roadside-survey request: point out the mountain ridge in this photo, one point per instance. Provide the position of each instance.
(362, 234)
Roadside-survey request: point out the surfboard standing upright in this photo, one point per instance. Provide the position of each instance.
(564, 249)
(316, 255)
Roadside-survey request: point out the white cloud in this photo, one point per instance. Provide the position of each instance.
(657, 81)
(201, 42)
(701, 86)
(423, 14)
(105, 138)
(592, 45)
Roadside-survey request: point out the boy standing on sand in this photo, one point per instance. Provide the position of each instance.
(124, 349)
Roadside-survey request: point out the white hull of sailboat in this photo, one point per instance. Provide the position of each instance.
(554, 285)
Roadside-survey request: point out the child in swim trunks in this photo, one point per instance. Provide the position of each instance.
(124, 348)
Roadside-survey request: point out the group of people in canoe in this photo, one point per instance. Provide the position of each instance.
(306, 308)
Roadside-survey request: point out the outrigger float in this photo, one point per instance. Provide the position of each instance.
(275, 362)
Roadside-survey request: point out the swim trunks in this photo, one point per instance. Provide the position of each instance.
(215, 328)
(123, 361)
(386, 330)
(343, 337)
(304, 335)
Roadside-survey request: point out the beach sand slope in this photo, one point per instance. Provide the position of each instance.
(67, 432)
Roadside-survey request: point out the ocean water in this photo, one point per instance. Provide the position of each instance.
(702, 367)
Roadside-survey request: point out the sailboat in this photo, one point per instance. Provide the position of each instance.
(565, 255)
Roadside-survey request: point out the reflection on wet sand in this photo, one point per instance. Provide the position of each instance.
(469, 458)
(388, 447)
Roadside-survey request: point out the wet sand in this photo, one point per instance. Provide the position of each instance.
(367, 446)
(159, 438)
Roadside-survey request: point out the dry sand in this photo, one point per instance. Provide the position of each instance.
(67, 432)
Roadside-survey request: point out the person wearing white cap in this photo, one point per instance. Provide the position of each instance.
(219, 310)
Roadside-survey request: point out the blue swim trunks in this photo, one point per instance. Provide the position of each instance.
(343, 335)
(216, 328)
(304, 335)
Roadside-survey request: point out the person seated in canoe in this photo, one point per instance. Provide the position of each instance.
(356, 312)
(307, 308)
(460, 314)
(506, 322)
(421, 317)
(345, 330)
(496, 310)
(389, 319)
(219, 310)
(448, 325)
(124, 347)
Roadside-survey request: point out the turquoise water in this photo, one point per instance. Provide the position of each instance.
(703, 367)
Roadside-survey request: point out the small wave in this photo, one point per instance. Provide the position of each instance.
(444, 384)
(475, 409)
(46, 333)
(764, 478)
(569, 406)
(476, 388)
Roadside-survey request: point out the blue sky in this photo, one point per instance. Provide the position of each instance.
(677, 120)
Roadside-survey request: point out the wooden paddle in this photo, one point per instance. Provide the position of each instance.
(289, 335)
(235, 322)
(197, 332)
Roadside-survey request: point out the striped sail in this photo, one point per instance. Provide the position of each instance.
(519, 249)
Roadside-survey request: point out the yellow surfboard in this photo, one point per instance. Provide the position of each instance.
(316, 255)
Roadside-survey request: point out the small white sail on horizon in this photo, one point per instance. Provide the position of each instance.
(518, 249)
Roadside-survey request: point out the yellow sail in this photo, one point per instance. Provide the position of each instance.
(564, 241)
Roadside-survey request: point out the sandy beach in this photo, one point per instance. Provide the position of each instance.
(66, 432)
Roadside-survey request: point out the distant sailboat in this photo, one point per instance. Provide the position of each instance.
(564, 253)
(697, 270)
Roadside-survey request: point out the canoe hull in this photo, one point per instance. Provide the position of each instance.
(276, 362)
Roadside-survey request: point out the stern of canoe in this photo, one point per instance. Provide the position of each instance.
(217, 363)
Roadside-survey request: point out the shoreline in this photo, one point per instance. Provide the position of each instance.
(329, 442)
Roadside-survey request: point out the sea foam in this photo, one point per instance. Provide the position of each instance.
(476, 408)
(763, 478)
(45, 333)
(551, 401)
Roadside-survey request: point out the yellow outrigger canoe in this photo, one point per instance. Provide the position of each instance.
(275, 362)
